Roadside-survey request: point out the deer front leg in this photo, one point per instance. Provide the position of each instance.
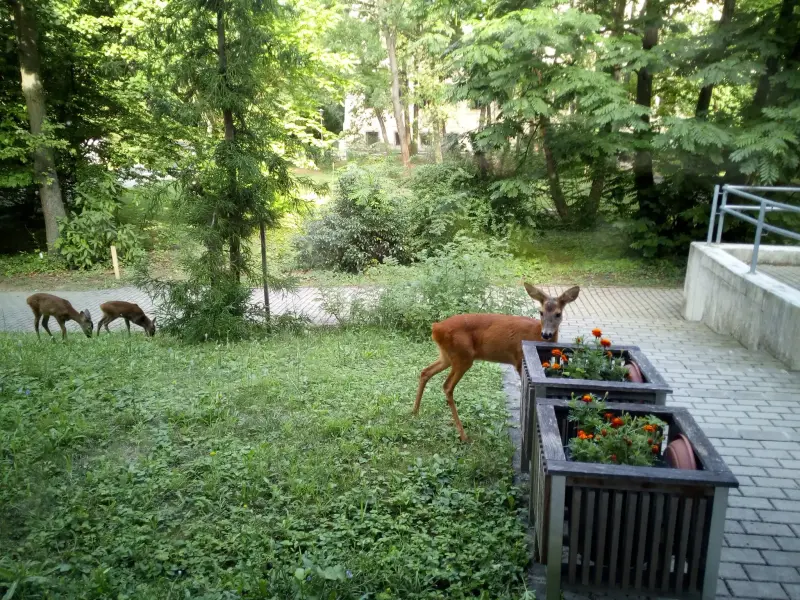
(45, 320)
(128, 325)
(36, 318)
(63, 328)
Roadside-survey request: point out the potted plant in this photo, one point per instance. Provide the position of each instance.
(613, 511)
(553, 370)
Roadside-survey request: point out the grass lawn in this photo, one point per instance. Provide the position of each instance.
(284, 468)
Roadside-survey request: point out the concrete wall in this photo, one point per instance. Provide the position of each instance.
(756, 309)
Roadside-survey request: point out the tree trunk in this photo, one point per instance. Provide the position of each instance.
(44, 164)
(643, 162)
(391, 47)
(382, 124)
(415, 127)
(704, 99)
(436, 132)
(552, 171)
(782, 35)
(263, 235)
(234, 241)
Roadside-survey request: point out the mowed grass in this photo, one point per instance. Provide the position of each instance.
(284, 468)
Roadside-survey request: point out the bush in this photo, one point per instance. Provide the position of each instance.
(457, 279)
(446, 199)
(365, 224)
(86, 236)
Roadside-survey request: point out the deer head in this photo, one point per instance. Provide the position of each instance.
(552, 310)
(86, 324)
(150, 328)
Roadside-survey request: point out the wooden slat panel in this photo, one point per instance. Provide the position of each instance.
(603, 521)
(630, 533)
(698, 531)
(575, 521)
(587, 542)
(654, 549)
(683, 546)
(667, 556)
(615, 533)
(639, 558)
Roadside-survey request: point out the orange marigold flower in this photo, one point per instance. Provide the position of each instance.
(655, 449)
(650, 428)
(578, 340)
(591, 436)
(603, 432)
(610, 354)
(587, 398)
(546, 365)
(596, 332)
(556, 352)
(609, 416)
(605, 342)
(617, 422)
(556, 366)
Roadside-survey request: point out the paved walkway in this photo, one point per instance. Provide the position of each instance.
(747, 403)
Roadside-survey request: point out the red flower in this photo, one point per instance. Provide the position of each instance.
(614, 457)
(617, 422)
(655, 448)
(610, 354)
(587, 398)
(605, 342)
(608, 416)
(604, 432)
(650, 441)
(556, 352)
(596, 332)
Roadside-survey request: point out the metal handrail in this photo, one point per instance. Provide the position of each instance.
(765, 205)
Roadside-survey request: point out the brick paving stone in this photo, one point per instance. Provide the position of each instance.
(757, 589)
(748, 556)
(761, 542)
(779, 516)
(768, 573)
(731, 571)
(781, 558)
(793, 590)
(766, 528)
(746, 502)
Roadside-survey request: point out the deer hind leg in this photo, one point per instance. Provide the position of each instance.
(128, 325)
(45, 321)
(432, 369)
(460, 367)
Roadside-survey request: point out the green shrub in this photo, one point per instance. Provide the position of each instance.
(446, 199)
(364, 225)
(85, 237)
(457, 279)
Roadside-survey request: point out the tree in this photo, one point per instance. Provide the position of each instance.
(33, 90)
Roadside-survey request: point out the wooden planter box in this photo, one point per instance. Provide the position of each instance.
(650, 531)
(537, 386)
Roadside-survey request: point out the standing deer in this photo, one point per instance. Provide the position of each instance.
(463, 339)
(130, 312)
(47, 305)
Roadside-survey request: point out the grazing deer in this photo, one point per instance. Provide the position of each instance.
(47, 305)
(130, 312)
(463, 339)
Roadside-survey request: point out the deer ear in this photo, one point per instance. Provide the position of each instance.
(569, 296)
(535, 293)
(86, 314)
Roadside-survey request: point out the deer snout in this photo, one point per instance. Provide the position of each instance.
(547, 335)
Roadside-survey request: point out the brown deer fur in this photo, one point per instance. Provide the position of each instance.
(126, 310)
(463, 339)
(45, 306)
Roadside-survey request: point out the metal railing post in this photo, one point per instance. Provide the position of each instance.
(713, 214)
(757, 242)
(722, 213)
